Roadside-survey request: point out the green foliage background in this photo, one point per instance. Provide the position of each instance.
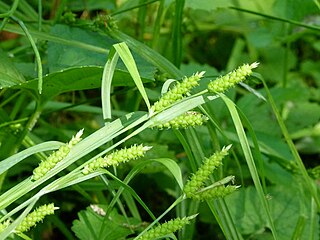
(276, 123)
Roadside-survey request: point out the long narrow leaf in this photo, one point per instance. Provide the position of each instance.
(128, 60)
(107, 76)
(249, 159)
(87, 145)
(309, 183)
(15, 159)
(12, 226)
(147, 53)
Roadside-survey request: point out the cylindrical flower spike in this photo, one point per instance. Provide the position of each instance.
(117, 157)
(166, 228)
(4, 225)
(34, 217)
(188, 119)
(178, 92)
(216, 192)
(209, 165)
(225, 82)
(57, 156)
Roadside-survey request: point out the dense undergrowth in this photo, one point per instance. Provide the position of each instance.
(186, 119)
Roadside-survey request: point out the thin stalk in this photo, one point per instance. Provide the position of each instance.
(227, 224)
(176, 34)
(176, 202)
(39, 15)
(8, 14)
(28, 11)
(312, 27)
(286, 58)
(134, 7)
(158, 24)
(293, 149)
(18, 105)
(258, 156)
(120, 205)
(56, 39)
(11, 11)
(36, 52)
(4, 234)
(142, 13)
(219, 209)
(187, 149)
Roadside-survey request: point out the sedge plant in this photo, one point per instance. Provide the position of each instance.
(97, 157)
(175, 109)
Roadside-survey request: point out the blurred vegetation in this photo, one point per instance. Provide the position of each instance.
(73, 39)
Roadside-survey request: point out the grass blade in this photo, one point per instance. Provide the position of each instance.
(147, 53)
(107, 76)
(309, 183)
(249, 159)
(128, 60)
(15, 159)
(176, 34)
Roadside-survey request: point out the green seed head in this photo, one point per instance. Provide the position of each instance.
(166, 228)
(197, 181)
(225, 82)
(57, 156)
(178, 92)
(117, 157)
(4, 225)
(34, 217)
(188, 119)
(216, 192)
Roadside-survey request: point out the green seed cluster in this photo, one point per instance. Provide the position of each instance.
(117, 157)
(188, 119)
(231, 79)
(4, 225)
(216, 192)
(36, 216)
(57, 156)
(197, 181)
(166, 228)
(178, 92)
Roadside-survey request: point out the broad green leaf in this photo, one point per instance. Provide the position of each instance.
(276, 54)
(295, 9)
(285, 207)
(259, 113)
(302, 115)
(114, 227)
(310, 67)
(62, 56)
(76, 78)
(9, 75)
